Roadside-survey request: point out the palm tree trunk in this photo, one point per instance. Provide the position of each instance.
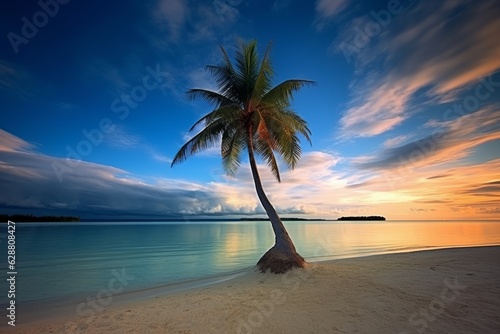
(282, 256)
(282, 239)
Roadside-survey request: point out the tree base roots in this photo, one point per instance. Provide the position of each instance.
(279, 261)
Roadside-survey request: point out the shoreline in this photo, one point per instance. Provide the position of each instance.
(37, 309)
(378, 293)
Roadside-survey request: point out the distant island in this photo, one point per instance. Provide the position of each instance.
(283, 219)
(37, 219)
(362, 218)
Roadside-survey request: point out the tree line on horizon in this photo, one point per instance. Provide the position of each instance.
(21, 218)
(362, 218)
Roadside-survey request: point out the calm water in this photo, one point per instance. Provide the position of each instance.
(75, 260)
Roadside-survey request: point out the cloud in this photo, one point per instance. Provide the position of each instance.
(124, 139)
(438, 176)
(93, 190)
(11, 143)
(489, 188)
(303, 189)
(326, 10)
(120, 137)
(376, 112)
(193, 21)
(162, 158)
(431, 51)
(212, 20)
(456, 140)
(464, 193)
(320, 186)
(419, 210)
(392, 142)
(492, 211)
(201, 78)
(173, 13)
(17, 81)
(204, 26)
(45, 184)
(454, 60)
(433, 201)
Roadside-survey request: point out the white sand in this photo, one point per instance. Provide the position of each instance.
(439, 291)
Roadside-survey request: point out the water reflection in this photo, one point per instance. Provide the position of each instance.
(55, 260)
(334, 240)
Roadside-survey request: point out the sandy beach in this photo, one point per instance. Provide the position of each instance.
(438, 291)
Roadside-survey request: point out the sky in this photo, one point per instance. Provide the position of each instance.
(405, 113)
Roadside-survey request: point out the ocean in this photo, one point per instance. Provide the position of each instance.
(75, 261)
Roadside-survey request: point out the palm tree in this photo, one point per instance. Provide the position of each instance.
(249, 113)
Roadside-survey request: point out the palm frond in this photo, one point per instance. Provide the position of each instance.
(266, 152)
(290, 122)
(283, 93)
(226, 113)
(206, 138)
(290, 151)
(247, 65)
(232, 144)
(264, 76)
(213, 98)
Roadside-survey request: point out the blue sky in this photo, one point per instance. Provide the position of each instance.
(405, 114)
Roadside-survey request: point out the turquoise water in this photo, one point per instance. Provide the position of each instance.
(71, 261)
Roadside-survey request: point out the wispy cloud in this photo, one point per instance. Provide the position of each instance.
(211, 20)
(161, 157)
(17, 81)
(200, 78)
(172, 13)
(194, 21)
(396, 141)
(326, 10)
(122, 138)
(375, 111)
(417, 52)
(11, 143)
(464, 191)
(453, 141)
(200, 25)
